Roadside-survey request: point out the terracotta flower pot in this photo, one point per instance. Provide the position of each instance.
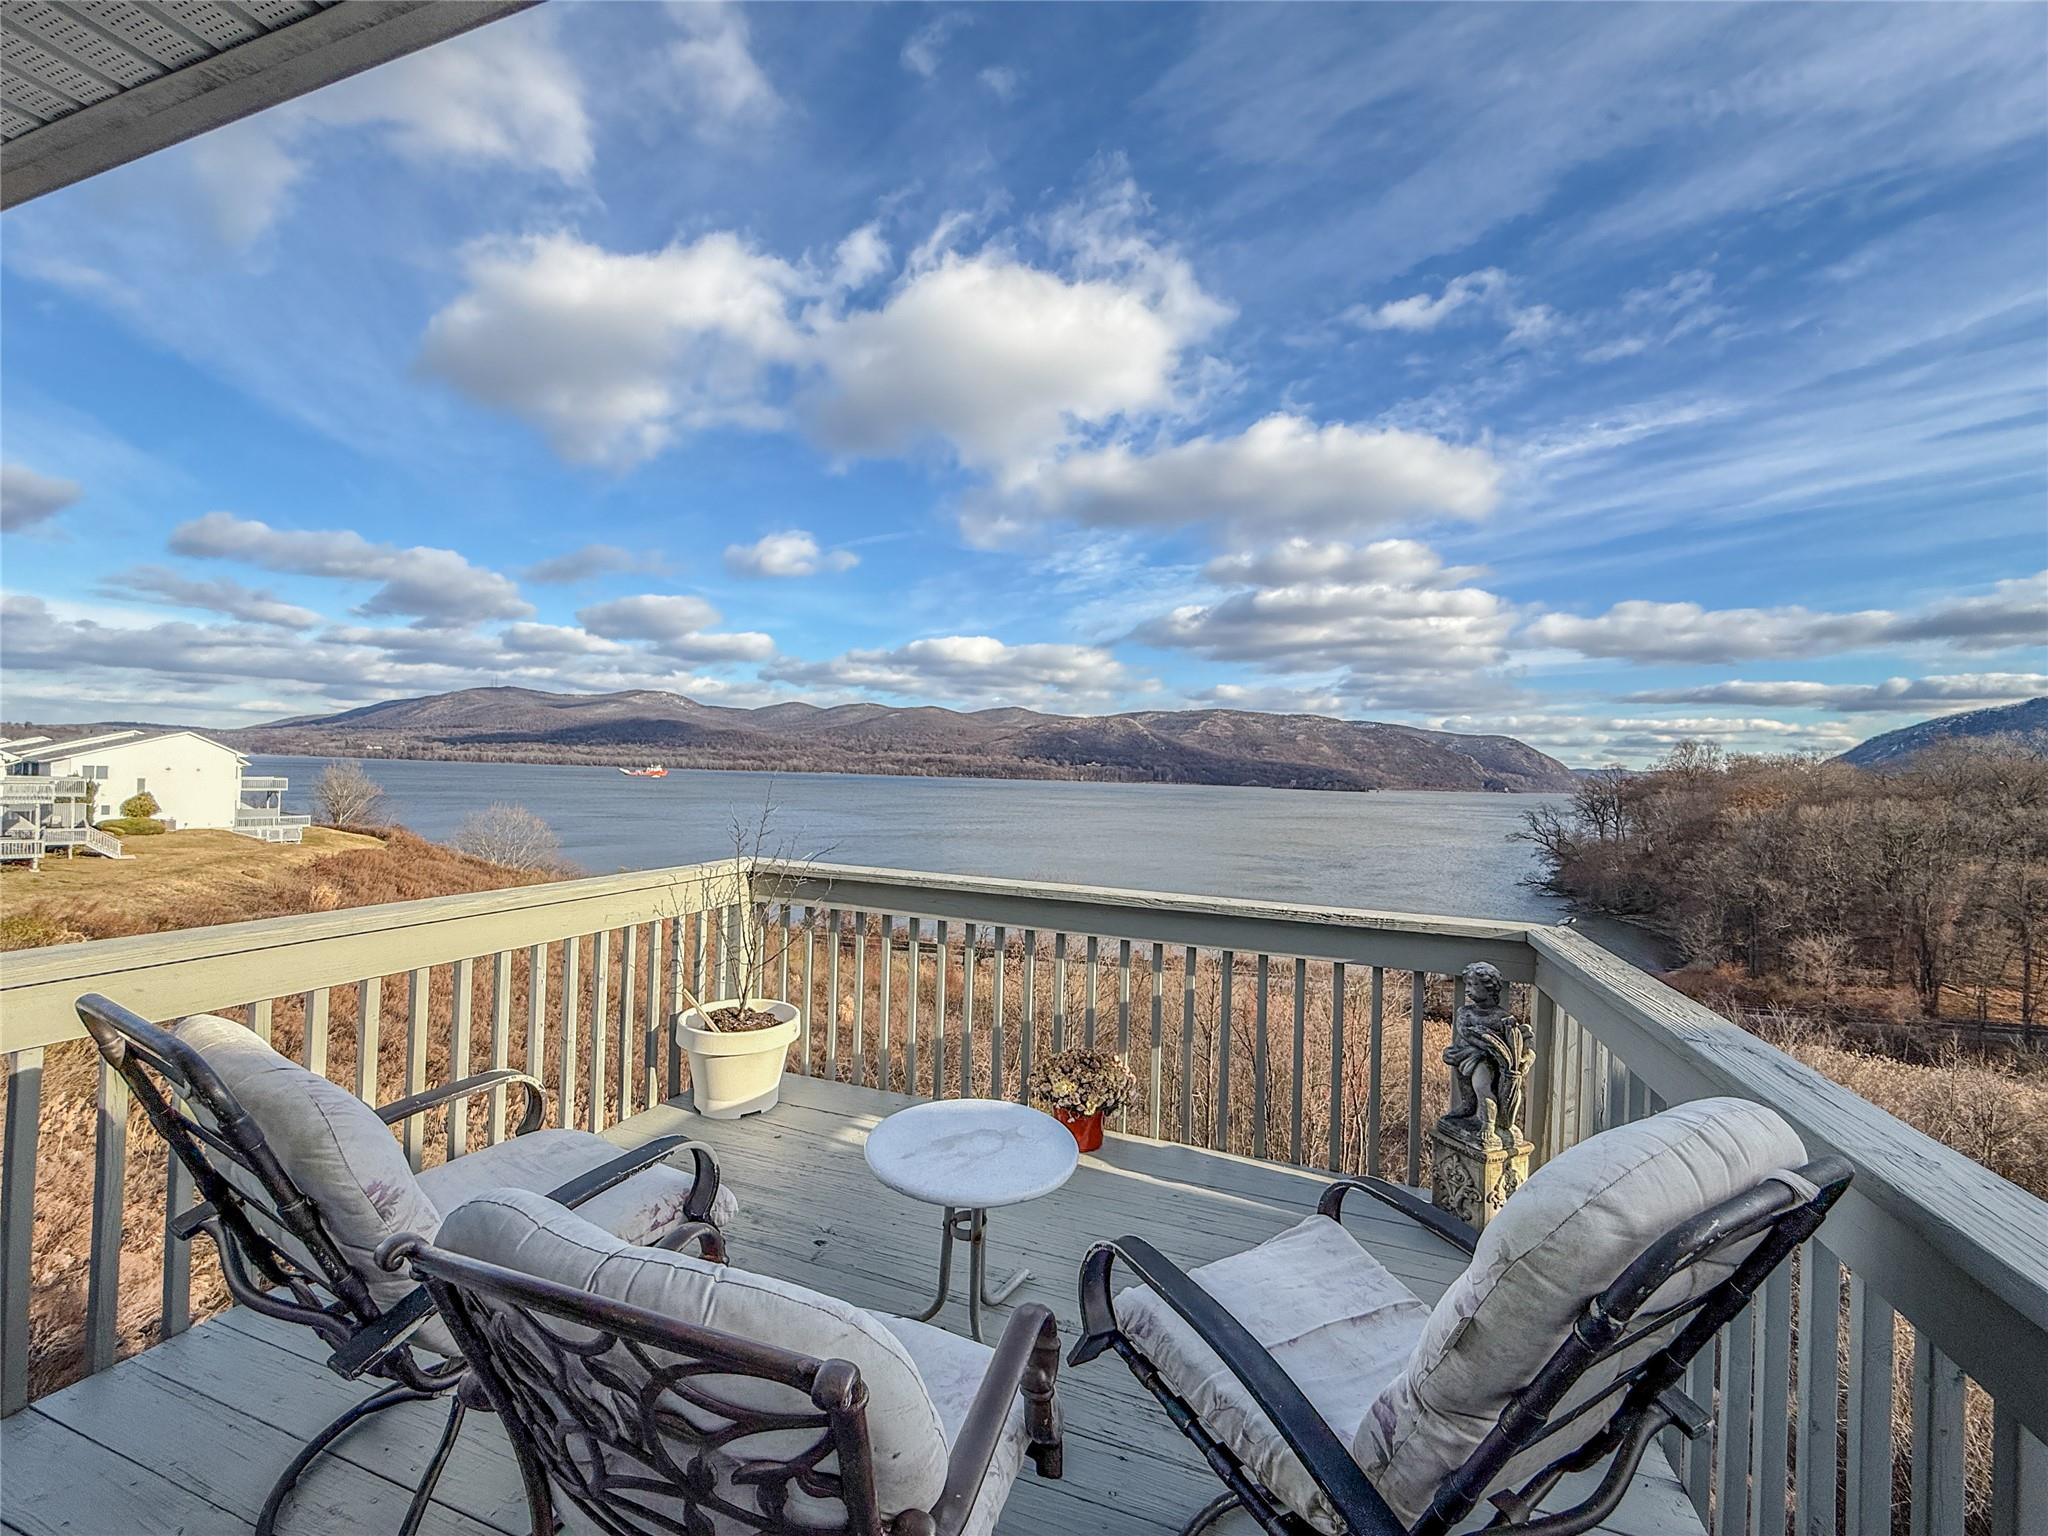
(1087, 1129)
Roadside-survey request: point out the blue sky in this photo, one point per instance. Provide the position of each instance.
(1599, 375)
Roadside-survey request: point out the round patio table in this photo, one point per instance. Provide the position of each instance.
(969, 1156)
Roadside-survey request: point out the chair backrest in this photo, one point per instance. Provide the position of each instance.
(665, 1394)
(302, 1177)
(1584, 1301)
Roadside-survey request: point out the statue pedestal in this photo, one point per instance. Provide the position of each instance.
(1472, 1181)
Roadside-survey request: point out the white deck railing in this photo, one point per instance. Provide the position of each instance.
(1278, 1030)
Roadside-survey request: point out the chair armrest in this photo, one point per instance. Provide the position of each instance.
(1327, 1459)
(1027, 1359)
(1460, 1234)
(483, 1082)
(697, 1208)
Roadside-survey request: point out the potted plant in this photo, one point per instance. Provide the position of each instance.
(1081, 1086)
(738, 1045)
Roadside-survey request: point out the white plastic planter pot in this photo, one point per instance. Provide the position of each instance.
(739, 1072)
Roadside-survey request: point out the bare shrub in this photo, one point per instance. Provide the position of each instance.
(510, 835)
(345, 796)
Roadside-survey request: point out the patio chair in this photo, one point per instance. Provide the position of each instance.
(1328, 1398)
(298, 1181)
(659, 1393)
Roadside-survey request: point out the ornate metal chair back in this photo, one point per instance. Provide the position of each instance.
(1642, 1399)
(650, 1425)
(247, 1200)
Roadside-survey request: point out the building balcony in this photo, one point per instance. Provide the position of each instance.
(1273, 1044)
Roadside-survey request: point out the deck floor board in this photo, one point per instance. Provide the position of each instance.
(186, 1437)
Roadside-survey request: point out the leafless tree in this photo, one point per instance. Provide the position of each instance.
(510, 835)
(757, 848)
(345, 796)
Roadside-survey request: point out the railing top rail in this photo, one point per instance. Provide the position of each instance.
(1400, 939)
(199, 968)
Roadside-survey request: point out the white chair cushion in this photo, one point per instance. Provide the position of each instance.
(1562, 1238)
(643, 1210)
(953, 1369)
(523, 1231)
(331, 1143)
(1328, 1312)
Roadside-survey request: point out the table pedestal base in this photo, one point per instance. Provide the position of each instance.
(972, 1226)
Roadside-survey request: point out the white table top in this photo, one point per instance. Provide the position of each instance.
(972, 1154)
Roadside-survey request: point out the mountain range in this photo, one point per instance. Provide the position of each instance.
(1895, 749)
(1206, 746)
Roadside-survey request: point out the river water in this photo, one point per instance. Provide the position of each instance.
(1407, 851)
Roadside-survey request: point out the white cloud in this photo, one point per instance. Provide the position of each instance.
(1001, 82)
(862, 256)
(1421, 312)
(925, 47)
(676, 626)
(973, 669)
(28, 498)
(715, 61)
(1936, 695)
(611, 354)
(434, 586)
(1402, 561)
(590, 560)
(2013, 613)
(219, 595)
(792, 552)
(1281, 475)
(1269, 699)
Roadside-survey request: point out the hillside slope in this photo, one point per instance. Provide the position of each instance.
(1204, 746)
(1895, 749)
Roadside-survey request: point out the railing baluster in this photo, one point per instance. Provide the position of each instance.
(995, 1035)
(369, 1036)
(782, 960)
(314, 1013)
(177, 1254)
(600, 1027)
(1093, 980)
(1261, 1067)
(1187, 1045)
(2019, 1476)
(1696, 1472)
(1059, 992)
(109, 1187)
(1868, 1484)
(418, 1000)
(810, 983)
(1738, 1358)
(1300, 1058)
(259, 1019)
(1219, 1132)
(885, 1064)
(1418, 998)
(969, 964)
(679, 1003)
(939, 948)
(458, 1056)
(1335, 1160)
(832, 997)
(1027, 1021)
(910, 1013)
(501, 1039)
(1123, 1019)
(572, 1005)
(629, 968)
(1820, 1333)
(1772, 1453)
(651, 1031)
(19, 1144)
(537, 1011)
(1544, 1077)
(1937, 1441)
(1375, 1068)
(1155, 1117)
(860, 999)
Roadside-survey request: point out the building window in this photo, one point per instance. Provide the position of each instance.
(140, 784)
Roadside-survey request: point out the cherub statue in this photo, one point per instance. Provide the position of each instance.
(1489, 1055)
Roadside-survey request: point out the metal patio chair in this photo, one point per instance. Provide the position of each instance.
(661, 1394)
(298, 1181)
(1328, 1398)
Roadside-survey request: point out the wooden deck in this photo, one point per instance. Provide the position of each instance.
(187, 1436)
